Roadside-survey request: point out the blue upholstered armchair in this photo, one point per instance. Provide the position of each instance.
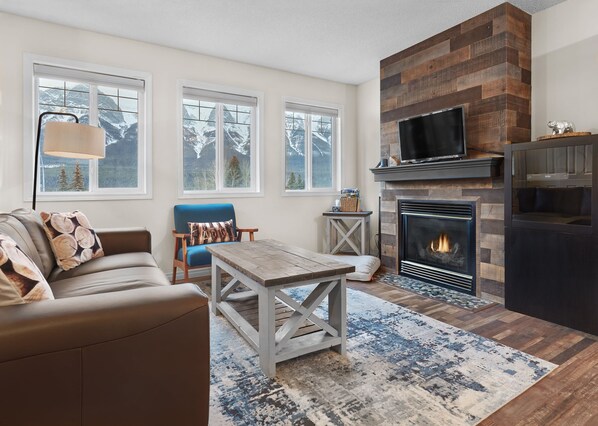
(189, 257)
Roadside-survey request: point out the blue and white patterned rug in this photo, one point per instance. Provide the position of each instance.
(401, 368)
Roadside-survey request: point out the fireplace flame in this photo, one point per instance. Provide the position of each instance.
(441, 245)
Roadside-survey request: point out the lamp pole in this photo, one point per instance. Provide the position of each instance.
(39, 131)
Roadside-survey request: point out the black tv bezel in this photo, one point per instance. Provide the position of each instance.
(443, 157)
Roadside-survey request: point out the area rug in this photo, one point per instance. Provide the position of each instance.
(462, 300)
(401, 368)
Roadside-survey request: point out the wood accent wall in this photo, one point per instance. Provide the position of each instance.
(483, 64)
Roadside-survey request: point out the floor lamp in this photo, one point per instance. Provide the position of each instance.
(69, 140)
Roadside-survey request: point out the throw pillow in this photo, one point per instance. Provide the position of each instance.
(72, 238)
(211, 232)
(20, 279)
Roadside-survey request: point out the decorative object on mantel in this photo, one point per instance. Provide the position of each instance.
(349, 200)
(562, 129)
(394, 160)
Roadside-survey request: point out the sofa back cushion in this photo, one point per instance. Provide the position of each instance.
(11, 227)
(21, 281)
(32, 221)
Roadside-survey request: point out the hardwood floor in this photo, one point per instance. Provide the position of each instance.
(568, 395)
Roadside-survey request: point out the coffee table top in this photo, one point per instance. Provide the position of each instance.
(271, 263)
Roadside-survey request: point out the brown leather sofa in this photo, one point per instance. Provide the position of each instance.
(118, 346)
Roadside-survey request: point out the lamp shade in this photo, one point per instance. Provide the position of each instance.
(74, 140)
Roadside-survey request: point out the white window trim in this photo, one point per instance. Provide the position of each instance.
(30, 127)
(258, 173)
(337, 149)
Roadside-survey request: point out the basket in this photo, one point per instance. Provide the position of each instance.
(349, 204)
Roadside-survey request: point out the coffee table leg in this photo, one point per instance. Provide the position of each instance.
(267, 331)
(337, 313)
(216, 286)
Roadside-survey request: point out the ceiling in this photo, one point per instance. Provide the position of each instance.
(339, 40)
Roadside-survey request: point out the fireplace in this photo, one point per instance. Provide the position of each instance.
(438, 242)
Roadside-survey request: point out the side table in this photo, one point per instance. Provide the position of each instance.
(351, 228)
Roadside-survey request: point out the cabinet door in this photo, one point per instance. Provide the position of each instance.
(549, 275)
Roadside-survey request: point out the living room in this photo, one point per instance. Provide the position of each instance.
(563, 66)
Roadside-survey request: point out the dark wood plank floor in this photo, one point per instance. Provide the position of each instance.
(568, 395)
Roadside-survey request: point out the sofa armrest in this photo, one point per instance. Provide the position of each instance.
(131, 357)
(125, 240)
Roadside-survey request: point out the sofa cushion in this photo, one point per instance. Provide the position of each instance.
(109, 281)
(106, 263)
(11, 226)
(198, 255)
(211, 232)
(72, 238)
(21, 281)
(33, 223)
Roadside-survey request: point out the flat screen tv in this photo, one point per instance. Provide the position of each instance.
(435, 136)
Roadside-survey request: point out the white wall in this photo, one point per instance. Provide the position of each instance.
(368, 148)
(296, 220)
(565, 66)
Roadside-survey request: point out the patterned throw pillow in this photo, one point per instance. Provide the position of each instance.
(72, 238)
(211, 232)
(20, 280)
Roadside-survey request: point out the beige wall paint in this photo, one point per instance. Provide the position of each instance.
(296, 220)
(368, 149)
(565, 66)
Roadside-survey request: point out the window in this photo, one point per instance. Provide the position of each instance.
(311, 148)
(114, 102)
(219, 142)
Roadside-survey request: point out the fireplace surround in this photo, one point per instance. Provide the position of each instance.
(437, 242)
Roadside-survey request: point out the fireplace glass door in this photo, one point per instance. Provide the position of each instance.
(436, 242)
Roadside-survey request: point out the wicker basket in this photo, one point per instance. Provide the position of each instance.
(349, 204)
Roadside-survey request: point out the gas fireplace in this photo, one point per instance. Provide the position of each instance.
(437, 242)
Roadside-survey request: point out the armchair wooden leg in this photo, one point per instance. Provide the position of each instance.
(186, 273)
(174, 275)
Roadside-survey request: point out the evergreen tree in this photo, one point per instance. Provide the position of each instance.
(232, 177)
(63, 183)
(300, 183)
(78, 183)
(292, 182)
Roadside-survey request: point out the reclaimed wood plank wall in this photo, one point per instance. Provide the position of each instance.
(483, 64)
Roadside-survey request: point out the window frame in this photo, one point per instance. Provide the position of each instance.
(257, 177)
(30, 117)
(337, 131)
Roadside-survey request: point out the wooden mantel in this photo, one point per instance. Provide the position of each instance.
(483, 167)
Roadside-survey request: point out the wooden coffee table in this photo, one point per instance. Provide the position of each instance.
(267, 267)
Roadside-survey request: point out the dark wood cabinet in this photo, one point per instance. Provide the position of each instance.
(551, 240)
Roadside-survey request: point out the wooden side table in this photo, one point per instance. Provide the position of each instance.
(350, 228)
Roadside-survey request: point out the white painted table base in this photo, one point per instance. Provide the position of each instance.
(276, 346)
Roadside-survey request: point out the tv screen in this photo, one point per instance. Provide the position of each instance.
(435, 136)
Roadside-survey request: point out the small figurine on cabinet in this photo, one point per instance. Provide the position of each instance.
(561, 127)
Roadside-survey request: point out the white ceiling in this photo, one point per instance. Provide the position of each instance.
(340, 40)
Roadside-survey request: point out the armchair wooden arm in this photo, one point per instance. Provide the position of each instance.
(251, 231)
(179, 240)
